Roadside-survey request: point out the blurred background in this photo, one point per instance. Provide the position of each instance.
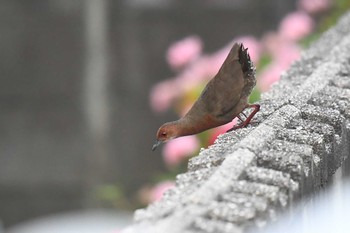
(87, 83)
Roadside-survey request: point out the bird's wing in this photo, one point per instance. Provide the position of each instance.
(223, 92)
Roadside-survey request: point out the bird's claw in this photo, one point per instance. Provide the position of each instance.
(238, 126)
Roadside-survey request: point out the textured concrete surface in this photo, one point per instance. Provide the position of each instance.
(300, 138)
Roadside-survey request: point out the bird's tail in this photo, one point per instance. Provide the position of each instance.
(246, 62)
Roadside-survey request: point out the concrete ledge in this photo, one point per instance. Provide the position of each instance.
(302, 137)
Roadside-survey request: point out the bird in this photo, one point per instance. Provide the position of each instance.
(224, 98)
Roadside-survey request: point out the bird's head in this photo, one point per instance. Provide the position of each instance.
(165, 133)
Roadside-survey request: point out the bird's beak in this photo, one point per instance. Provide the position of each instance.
(156, 144)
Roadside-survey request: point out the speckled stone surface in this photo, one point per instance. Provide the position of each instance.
(299, 138)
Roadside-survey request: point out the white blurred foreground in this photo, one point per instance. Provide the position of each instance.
(328, 213)
(89, 221)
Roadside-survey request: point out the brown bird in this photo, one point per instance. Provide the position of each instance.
(223, 99)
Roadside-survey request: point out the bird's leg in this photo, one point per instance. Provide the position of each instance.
(256, 109)
(238, 124)
(248, 119)
(240, 118)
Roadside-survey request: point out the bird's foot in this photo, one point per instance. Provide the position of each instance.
(245, 122)
(238, 126)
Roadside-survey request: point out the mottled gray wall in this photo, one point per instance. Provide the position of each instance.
(252, 176)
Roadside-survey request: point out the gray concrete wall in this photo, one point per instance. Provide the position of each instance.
(300, 138)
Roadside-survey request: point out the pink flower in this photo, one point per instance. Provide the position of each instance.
(204, 68)
(177, 149)
(216, 60)
(194, 74)
(270, 75)
(253, 45)
(159, 189)
(163, 94)
(148, 194)
(184, 52)
(314, 6)
(271, 42)
(286, 54)
(295, 26)
(283, 53)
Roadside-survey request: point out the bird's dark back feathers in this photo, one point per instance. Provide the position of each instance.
(244, 59)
